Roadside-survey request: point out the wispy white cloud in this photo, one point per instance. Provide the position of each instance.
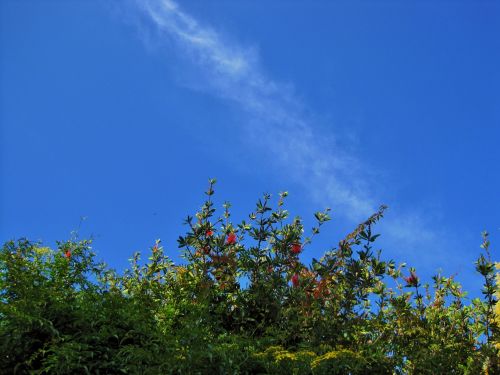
(233, 72)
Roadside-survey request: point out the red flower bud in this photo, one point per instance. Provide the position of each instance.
(296, 248)
(67, 254)
(317, 292)
(295, 280)
(209, 233)
(411, 280)
(231, 238)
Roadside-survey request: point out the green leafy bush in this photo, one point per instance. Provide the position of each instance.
(277, 360)
(241, 303)
(339, 362)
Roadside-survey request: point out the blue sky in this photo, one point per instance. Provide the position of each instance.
(120, 111)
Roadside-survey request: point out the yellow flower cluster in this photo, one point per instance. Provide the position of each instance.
(281, 361)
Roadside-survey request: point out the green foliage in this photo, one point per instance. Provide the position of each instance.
(339, 362)
(497, 306)
(241, 303)
(277, 360)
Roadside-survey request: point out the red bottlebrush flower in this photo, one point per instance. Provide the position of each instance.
(317, 292)
(209, 233)
(295, 280)
(411, 280)
(231, 238)
(67, 254)
(296, 248)
(320, 289)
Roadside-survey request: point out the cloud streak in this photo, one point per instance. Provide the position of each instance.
(277, 117)
(234, 73)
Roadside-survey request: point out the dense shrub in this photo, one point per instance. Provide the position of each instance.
(340, 362)
(241, 303)
(277, 360)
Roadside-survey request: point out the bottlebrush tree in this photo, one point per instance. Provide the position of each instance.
(242, 302)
